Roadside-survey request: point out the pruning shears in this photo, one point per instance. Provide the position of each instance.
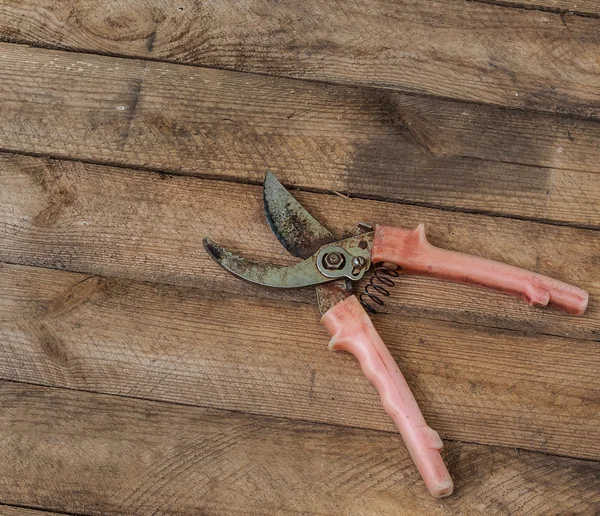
(331, 265)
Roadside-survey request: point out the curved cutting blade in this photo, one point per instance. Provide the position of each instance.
(302, 274)
(297, 230)
(301, 235)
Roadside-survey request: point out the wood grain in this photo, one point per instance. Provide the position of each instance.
(411, 102)
(451, 48)
(374, 144)
(7, 510)
(144, 226)
(453, 129)
(568, 7)
(104, 455)
(270, 357)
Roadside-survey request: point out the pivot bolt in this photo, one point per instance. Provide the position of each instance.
(333, 261)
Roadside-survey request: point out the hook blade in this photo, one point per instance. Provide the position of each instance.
(302, 274)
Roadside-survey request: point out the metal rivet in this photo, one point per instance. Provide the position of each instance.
(358, 262)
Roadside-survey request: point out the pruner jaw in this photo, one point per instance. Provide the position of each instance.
(302, 235)
(302, 274)
(349, 258)
(297, 230)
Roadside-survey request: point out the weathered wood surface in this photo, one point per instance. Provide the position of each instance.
(144, 226)
(462, 129)
(374, 144)
(104, 455)
(206, 348)
(7, 510)
(451, 48)
(568, 7)
(408, 101)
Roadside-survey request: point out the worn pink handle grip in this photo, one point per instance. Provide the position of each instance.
(351, 330)
(410, 249)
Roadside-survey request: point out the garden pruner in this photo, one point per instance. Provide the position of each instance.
(331, 265)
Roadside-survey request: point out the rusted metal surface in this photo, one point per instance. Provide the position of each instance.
(297, 230)
(352, 257)
(302, 274)
(315, 270)
(303, 236)
(332, 293)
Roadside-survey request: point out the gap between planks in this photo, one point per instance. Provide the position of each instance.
(24, 510)
(534, 6)
(393, 146)
(295, 188)
(365, 65)
(164, 457)
(57, 332)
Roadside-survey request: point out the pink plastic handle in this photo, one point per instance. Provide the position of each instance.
(410, 249)
(351, 330)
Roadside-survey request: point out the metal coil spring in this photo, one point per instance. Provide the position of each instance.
(378, 286)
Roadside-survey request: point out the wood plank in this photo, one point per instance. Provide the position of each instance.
(270, 357)
(144, 226)
(374, 144)
(9, 510)
(464, 129)
(104, 455)
(568, 7)
(445, 48)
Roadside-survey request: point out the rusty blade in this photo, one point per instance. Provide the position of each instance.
(302, 274)
(297, 230)
(301, 235)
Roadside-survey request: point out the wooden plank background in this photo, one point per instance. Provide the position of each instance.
(375, 144)
(8, 510)
(124, 456)
(137, 377)
(465, 50)
(581, 7)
